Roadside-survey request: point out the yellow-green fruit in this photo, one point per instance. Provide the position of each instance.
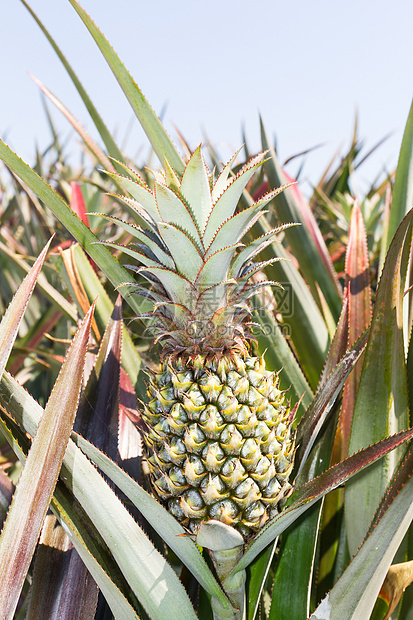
(220, 442)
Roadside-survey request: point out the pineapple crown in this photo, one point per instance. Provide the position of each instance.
(188, 244)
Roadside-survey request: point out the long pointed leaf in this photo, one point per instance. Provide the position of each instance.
(302, 244)
(161, 143)
(37, 482)
(324, 400)
(110, 144)
(91, 144)
(97, 415)
(14, 313)
(83, 535)
(402, 198)
(382, 405)
(359, 315)
(166, 525)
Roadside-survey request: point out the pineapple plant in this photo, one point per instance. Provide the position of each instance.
(219, 438)
(232, 466)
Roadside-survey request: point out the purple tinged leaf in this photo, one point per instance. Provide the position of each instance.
(11, 319)
(130, 439)
(82, 533)
(6, 493)
(36, 485)
(62, 588)
(97, 415)
(357, 300)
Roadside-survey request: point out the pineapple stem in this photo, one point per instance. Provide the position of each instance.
(233, 585)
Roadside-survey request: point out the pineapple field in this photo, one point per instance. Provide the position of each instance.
(206, 379)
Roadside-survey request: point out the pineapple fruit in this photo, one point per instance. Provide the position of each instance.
(219, 440)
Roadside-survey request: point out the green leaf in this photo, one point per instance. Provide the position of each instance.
(215, 268)
(161, 143)
(177, 287)
(174, 211)
(138, 255)
(402, 198)
(258, 571)
(110, 144)
(226, 203)
(295, 568)
(382, 405)
(102, 257)
(142, 236)
(36, 485)
(139, 192)
(196, 189)
(185, 254)
(301, 242)
(224, 178)
(253, 248)
(233, 229)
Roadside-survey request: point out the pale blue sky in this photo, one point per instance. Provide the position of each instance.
(305, 66)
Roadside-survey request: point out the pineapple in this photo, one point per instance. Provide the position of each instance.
(219, 440)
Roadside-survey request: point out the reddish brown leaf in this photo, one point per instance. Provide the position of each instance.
(77, 204)
(358, 294)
